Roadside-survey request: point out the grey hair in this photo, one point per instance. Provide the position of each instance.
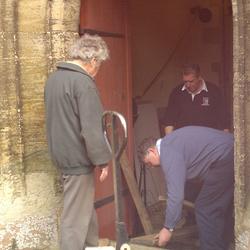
(89, 47)
(147, 143)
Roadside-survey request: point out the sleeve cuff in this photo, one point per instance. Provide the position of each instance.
(169, 229)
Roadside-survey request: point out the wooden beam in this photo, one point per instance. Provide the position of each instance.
(134, 191)
(179, 235)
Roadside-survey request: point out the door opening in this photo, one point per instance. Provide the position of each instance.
(165, 36)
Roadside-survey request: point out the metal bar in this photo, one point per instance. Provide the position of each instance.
(117, 146)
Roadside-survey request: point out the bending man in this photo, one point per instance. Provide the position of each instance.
(188, 153)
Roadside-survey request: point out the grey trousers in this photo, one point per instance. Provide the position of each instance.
(79, 226)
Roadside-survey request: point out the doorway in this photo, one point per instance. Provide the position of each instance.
(166, 35)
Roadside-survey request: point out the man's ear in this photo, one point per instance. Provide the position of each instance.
(152, 149)
(94, 62)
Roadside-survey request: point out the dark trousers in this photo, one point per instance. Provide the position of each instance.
(213, 205)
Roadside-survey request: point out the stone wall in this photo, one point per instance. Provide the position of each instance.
(241, 19)
(34, 35)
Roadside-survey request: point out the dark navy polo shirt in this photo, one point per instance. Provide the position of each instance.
(206, 109)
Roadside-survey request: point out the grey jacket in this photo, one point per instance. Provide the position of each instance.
(73, 121)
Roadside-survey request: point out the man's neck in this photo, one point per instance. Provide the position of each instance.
(200, 87)
(77, 62)
(80, 63)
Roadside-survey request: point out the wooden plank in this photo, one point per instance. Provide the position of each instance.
(133, 188)
(179, 235)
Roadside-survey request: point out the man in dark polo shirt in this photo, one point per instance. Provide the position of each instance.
(195, 102)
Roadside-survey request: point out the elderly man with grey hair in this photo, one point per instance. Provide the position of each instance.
(75, 139)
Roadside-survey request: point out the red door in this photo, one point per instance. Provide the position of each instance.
(108, 18)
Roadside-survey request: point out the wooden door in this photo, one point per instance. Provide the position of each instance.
(108, 18)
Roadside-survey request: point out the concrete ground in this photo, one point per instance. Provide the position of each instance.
(146, 243)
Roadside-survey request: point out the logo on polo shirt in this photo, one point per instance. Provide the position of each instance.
(205, 101)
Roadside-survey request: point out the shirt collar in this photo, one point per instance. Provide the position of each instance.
(73, 67)
(158, 145)
(203, 87)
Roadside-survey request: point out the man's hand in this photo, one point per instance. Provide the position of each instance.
(163, 237)
(104, 173)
